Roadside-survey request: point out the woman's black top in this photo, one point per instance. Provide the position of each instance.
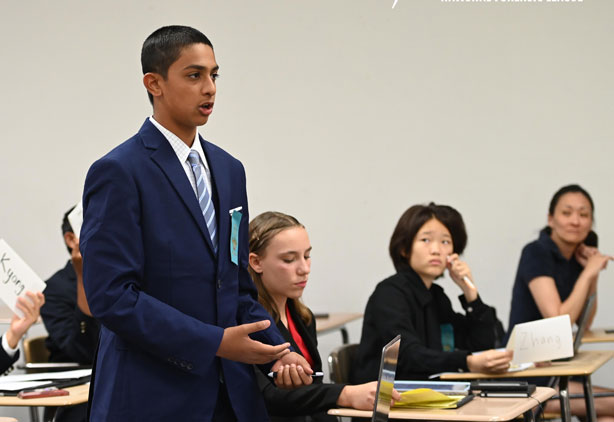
(403, 305)
(538, 259)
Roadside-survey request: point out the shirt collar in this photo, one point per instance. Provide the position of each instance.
(546, 241)
(181, 149)
(415, 283)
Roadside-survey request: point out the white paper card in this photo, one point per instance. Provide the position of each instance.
(75, 218)
(22, 385)
(541, 340)
(16, 277)
(62, 375)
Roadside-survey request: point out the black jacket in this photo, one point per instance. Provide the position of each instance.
(403, 305)
(5, 360)
(313, 400)
(73, 336)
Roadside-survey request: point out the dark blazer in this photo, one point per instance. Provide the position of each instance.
(72, 335)
(315, 399)
(403, 305)
(162, 295)
(5, 360)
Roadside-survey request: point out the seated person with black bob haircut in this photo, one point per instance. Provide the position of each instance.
(427, 240)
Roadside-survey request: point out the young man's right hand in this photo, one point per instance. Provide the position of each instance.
(238, 346)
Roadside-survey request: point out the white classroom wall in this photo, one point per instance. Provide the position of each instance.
(344, 113)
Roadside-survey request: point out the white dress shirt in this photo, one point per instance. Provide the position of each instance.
(182, 151)
(8, 349)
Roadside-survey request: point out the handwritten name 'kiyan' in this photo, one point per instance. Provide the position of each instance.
(10, 276)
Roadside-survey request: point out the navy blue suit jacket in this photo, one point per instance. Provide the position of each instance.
(162, 295)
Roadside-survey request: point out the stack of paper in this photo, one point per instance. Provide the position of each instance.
(425, 398)
(20, 382)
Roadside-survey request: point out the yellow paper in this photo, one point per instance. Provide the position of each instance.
(427, 398)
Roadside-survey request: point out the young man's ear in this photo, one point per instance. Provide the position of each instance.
(152, 83)
(255, 262)
(549, 220)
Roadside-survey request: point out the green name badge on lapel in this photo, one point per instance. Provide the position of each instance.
(447, 337)
(235, 217)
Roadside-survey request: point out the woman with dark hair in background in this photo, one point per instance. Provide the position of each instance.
(558, 272)
(427, 240)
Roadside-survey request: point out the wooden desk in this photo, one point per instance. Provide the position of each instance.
(479, 409)
(582, 365)
(336, 321)
(78, 395)
(597, 335)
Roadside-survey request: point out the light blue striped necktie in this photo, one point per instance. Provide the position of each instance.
(204, 198)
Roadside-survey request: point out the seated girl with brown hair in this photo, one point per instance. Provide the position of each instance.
(280, 263)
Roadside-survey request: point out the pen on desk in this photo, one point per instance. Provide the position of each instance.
(315, 374)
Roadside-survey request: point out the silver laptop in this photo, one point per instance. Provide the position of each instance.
(385, 381)
(583, 322)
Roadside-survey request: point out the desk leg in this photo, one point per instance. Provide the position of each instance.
(34, 414)
(591, 414)
(344, 335)
(564, 399)
(529, 416)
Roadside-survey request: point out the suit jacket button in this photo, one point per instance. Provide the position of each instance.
(219, 283)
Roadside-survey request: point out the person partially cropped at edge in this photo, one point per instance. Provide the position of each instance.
(164, 273)
(29, 306)
(72, 332)
(556, 275)
(427, 240)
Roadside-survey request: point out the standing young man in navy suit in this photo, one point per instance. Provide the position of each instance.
(165, 254)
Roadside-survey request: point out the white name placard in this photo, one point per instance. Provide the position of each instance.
(541, 340)
(75, 218)
(16, 277)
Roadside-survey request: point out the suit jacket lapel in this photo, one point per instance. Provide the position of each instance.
(164, 156)
(220, 182)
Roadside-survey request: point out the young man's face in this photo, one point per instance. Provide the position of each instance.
(188, 92)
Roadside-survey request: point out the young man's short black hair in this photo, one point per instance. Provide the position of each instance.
(163, 47)
(415, 217)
